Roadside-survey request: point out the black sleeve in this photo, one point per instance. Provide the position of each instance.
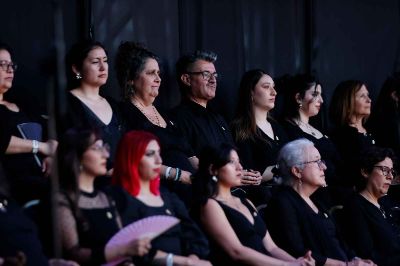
(193, 239)
(285, 227)
(5, 132)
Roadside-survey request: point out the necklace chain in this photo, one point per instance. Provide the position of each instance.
(307, 125)
(155, 121)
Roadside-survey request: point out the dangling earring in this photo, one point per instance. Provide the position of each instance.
(300, 182)
(78, 76)
(300, 105)
(214, 178)
(80, 168)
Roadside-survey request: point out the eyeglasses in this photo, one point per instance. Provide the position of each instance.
(386, 170)
(206, 74)
(321, 163)
(101, 148)
(5, 65)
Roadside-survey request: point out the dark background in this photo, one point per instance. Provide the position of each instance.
(334, 39)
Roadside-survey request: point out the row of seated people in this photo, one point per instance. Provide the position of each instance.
(300, 231)
(193, 124)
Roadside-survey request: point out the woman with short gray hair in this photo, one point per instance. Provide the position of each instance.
(296, 222)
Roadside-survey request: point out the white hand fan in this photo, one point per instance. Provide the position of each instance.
(149, 227)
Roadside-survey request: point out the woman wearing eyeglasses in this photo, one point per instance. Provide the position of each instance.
(139, 77)
(88, 216)
(26, 161)
(367, 224)
(298, 223)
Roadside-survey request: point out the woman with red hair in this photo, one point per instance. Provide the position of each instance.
(137, 170)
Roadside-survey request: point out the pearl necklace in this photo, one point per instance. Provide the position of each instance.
(155, 121)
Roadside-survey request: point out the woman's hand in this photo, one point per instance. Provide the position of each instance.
(306, 260)
(360, 262)
(194, 161)
(185, 177)
(251, 177)
(47, 165)
(138, 247)
(61, 262)
(48, 148)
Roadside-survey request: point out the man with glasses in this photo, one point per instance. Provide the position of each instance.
(197, 78)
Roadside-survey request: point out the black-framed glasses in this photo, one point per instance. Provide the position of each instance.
(5, 65)
(206, 74)
(321, 163)
(386, 170)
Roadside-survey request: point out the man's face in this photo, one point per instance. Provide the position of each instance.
(202, 81)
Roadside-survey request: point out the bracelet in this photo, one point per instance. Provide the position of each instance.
(169, 261)
(177, 174)
(168, 172)
(35, 146)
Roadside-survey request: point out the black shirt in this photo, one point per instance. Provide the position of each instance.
(201, 126)
(5, 132)
(370, 233)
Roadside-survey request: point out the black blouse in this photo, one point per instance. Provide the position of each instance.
(175, 150)
(370, 233)
(5, 132)
(296, 228)
(259, 153)
(183, 239)
(79, 115)
(201, 126)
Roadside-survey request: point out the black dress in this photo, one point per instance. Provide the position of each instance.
(175, 150)
(79, 115)
(97, 225)
(296, 228)
(336, 192)
(249, 235)
(351, 144)
(370, 232)
(257, 154)
(183, 239)
(5, 132)
(201, 126)
(24, 174)
(18, 233)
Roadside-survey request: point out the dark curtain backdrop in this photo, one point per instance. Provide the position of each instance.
(334, 39)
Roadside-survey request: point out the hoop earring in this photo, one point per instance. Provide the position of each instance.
(78, 76)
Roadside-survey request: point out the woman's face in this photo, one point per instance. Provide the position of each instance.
(312, 173)
(312, 101)
(264, 93)
(6, 76)
(147, 84)
(362, 102)
(231, 173)
(380, 178)
(150, 164)
(94, 159)
(94, 70)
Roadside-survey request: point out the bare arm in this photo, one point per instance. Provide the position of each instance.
(19, 145)
(218, 226)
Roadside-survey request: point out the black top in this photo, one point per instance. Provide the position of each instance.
(259, 153)
(79, 115)
(5, 132)
(18, 233)
(296, 228)
(325, 146)
(201, 126)
(175, 150)
(249, 235)
(183, 239)
(350, 144)
(370, 233)
(27, 182)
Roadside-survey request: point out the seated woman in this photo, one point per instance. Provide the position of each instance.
(349, 110)
(138, 74)
(87, 71)
(367, 225)
(137, 170)
(238, 234)
(302, 98)
(257, 135)
(88, 217)
(296, 222)
(27, 182)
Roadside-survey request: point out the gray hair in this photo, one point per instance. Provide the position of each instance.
(293, 153)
